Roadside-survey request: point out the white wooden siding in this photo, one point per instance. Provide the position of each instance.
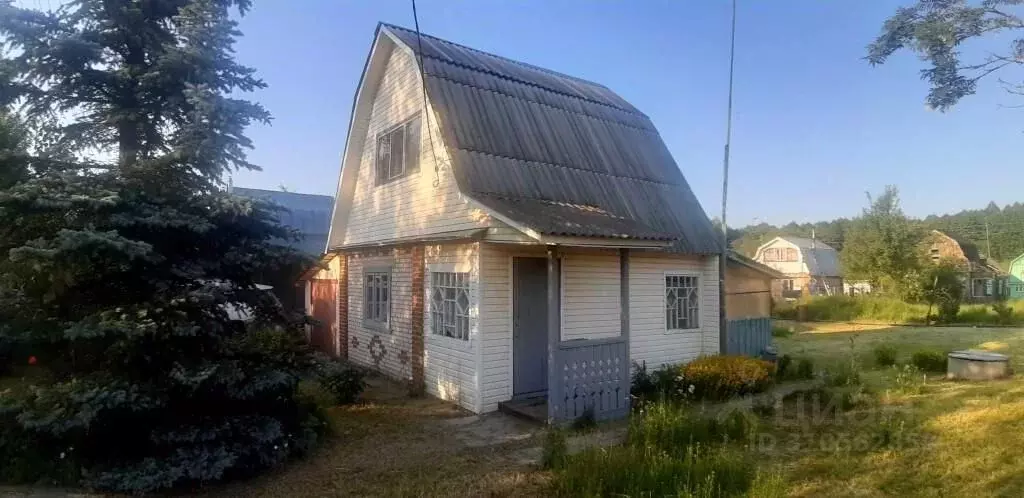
(591, 296)
(451, 365)
(397, 342)
(496, 320)
(423, 203)
(650, 342)
(787, 267)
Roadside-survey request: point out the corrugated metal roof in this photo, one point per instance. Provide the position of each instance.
(557, 154)
(309, 214)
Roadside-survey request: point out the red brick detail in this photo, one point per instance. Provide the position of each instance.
(343, 306)
(418, 276)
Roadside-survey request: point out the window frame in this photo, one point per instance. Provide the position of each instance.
(373, 323)
(470, 316)
(407, 171)
(700, 300)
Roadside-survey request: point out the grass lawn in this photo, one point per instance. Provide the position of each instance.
(912, 438)
(963, 439)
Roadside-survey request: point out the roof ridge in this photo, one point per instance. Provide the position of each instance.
(520, 63)
(575, 168)
(457, 82)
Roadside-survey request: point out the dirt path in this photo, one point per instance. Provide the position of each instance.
(391, 445)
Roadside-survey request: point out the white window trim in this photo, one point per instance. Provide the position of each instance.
(377, 181)
(368, 323)
(474, 307)
(700, 301)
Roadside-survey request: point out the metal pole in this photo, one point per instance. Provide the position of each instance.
(724, 255)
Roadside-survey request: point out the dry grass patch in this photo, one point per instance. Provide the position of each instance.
(391, 445)
(965, 437)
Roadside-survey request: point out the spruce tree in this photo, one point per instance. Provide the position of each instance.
(121, 256)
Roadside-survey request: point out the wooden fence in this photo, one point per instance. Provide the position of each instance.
(748, 336)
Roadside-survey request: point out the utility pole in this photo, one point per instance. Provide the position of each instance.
(988, 241)
(723, 258)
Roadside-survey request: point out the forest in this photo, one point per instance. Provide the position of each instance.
(1001, 228)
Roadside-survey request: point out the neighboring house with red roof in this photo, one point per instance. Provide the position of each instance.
(510, 236)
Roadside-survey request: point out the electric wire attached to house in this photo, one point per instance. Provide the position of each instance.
(423, 87)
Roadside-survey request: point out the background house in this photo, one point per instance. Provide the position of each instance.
(515, 237)
(1015, 283)
(983, 281)
(308, 214)
(808, 266)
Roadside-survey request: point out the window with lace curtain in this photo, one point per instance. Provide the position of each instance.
(398, 151)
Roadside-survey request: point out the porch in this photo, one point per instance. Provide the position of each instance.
(558, 376)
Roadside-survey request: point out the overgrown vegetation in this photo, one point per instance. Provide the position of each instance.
(929, 361)
(885, 355)
(671, 451)
(894, 310)
(344, 381)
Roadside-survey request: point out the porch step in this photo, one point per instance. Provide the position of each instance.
(532, 409)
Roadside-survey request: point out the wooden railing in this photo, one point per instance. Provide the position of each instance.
(592, 375)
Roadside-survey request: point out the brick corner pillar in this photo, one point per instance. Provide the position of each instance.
(342, 294)
(418, 383)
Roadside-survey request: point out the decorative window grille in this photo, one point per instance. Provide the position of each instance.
(449, 304)
(682, 302)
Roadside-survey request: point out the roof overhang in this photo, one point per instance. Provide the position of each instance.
(474, 234)
(740, 260)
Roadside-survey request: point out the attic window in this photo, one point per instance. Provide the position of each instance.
(398, 151)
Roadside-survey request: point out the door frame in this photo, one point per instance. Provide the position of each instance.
(511, 320)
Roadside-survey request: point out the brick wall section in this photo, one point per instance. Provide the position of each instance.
(418, 275)
(343, 306)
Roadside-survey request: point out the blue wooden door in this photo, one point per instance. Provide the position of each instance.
(529, 327)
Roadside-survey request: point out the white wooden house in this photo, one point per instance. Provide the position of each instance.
(808, 266)
(509, 235)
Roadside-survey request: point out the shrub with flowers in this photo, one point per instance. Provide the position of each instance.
(722, 377)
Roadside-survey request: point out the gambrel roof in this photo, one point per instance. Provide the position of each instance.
(553, 156)
(556, 154)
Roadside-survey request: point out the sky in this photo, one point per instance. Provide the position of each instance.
(814, 125)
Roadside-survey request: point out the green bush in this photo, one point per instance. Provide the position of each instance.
(885, 355)
(346, 382)
(722, 377)
(1004, 313)
(315, 394)
(778, 331)
(805, 369)
(929, 361)
(784, 367)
